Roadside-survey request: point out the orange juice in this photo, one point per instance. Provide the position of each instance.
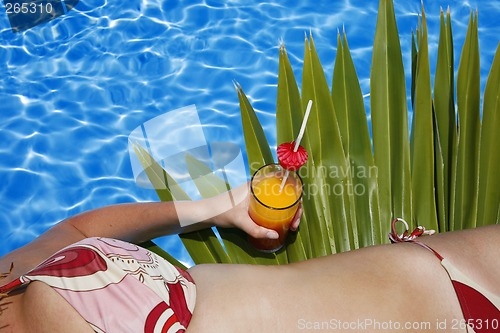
(271, 207)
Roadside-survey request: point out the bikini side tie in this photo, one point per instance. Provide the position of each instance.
(407, 237)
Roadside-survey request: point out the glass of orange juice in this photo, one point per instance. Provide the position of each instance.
(271, 206)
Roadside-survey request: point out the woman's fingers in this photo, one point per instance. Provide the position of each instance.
(296, 218)
(254, 230)
(261, 232)
(238, 216)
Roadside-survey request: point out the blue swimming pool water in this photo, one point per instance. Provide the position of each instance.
(73, 89)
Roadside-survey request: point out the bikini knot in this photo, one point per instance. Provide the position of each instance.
(406, 236)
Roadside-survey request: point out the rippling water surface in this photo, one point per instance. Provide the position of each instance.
(73, 89)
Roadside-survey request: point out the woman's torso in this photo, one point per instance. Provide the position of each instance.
(372, 289)
(389, 287)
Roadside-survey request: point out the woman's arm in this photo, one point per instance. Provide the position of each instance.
(139, 222)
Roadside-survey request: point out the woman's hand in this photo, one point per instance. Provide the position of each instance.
(237, 216)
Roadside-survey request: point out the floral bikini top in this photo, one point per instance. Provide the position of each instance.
(117, 286)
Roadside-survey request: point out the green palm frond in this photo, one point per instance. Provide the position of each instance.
(327, 169)
(423, 161)
(203, 246)
(489, 178)
(464, 207)
(445, 133)
(441, 175)
(389, 112)
(349, 106)
(289, 115)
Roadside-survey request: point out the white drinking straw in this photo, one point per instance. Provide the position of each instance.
(299, 138)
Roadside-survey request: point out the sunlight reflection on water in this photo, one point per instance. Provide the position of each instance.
(73, 89)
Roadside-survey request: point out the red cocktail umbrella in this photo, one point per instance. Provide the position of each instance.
(289, 158)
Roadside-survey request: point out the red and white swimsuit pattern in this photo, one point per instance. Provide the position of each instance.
(117, 286)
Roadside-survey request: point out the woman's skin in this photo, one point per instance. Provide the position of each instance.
(371, 289)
